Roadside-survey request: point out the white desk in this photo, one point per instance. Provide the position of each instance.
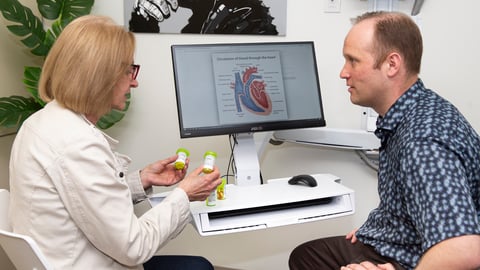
(274, 204)
(277, 203)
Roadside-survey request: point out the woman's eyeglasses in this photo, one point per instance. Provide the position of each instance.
(134, 71)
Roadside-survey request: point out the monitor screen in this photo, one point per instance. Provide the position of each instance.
(246, 87)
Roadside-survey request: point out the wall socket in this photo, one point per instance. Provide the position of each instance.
(369, 119)
(332, 6)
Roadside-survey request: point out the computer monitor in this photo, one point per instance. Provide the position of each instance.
(242, 88)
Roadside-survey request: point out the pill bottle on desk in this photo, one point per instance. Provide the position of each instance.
(221, 190)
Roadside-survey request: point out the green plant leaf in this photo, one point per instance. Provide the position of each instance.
(25, 25)
(64, 10)
(113, 116)
(76, 8)
(31, 77)
(55, 30)
(50, 9)
(108, 120)
(15, 109)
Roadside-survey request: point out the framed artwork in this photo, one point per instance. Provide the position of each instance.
(251, 17)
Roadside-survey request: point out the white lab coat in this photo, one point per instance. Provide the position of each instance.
(73, 194)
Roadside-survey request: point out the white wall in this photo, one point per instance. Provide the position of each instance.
(150, 129)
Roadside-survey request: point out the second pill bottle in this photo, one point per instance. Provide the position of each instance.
(208, 162)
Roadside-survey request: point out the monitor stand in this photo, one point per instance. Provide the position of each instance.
(246, 161)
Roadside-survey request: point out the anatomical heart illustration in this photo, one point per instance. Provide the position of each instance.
(249, 86)
(250, 92)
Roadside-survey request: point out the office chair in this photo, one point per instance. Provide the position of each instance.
(22, 250)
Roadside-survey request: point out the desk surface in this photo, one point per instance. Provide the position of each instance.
(276, 203)
(276, 191)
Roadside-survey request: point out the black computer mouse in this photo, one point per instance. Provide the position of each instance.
(303, 179)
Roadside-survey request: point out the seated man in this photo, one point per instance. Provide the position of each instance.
(429, 171)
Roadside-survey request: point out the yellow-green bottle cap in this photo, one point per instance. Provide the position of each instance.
(183, 150)
(210, 153)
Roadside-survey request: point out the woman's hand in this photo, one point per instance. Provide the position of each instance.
(162, 173)
(198, 185)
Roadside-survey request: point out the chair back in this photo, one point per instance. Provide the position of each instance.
(22, 250)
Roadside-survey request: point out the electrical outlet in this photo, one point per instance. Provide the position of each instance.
(369, 119)
(332, 6)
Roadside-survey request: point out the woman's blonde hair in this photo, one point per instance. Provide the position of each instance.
(85, 63)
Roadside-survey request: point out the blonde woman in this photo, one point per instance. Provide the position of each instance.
(70, 191)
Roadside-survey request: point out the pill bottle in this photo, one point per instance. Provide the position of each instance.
(209, 161)
(181, 159)
(221, 190)
(212, 199)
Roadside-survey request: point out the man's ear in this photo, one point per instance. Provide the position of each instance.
(394, 62)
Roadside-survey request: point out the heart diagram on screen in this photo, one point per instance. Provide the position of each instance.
(250, 91)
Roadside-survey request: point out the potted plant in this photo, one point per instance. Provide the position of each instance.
(38, 38)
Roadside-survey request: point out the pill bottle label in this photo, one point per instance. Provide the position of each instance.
(181, 159)
(209, 161)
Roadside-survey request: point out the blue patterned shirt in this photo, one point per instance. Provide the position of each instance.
(428, 179)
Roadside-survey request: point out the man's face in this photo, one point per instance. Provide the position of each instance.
(365, 82)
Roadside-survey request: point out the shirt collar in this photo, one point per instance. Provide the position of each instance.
(394, 116)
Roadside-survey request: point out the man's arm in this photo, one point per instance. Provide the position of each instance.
(457, 253)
